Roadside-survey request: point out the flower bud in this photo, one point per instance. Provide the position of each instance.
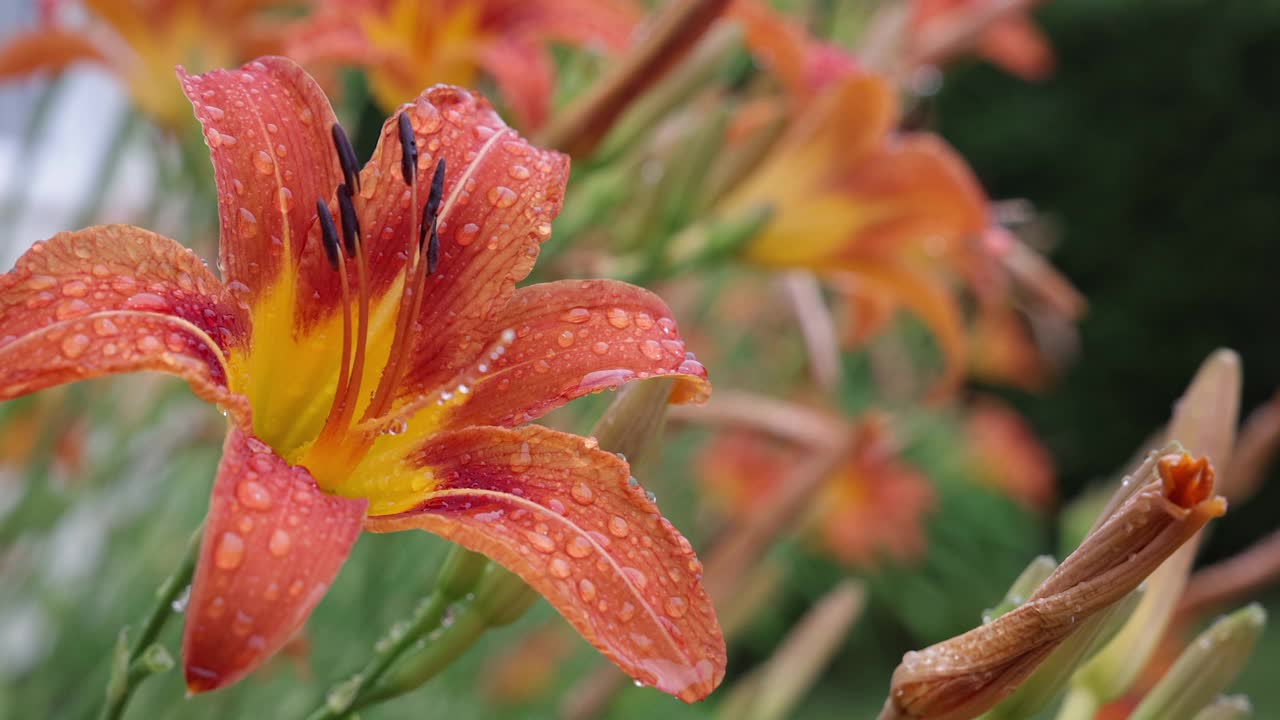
(1205, 668)
(969, 674)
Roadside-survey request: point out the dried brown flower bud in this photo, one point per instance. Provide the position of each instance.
(967, 675)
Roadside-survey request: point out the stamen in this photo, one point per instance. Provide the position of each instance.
(350, 222)
(346, 156)
(430, 218)
(416, 272)
(328, 233)
(408, 150)
(339, 263)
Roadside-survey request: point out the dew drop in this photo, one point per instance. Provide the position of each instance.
(541, 542)
(521, 461)
(582, 494)
(644, 320)
(467, 234)
(600, 347)
(637, 578)
(75, 345)
(75, 288)
(626, 612)
(280, 543)
(576, 315)
(586, 590)
(559, 567)
(253, 495)
(230, 551)
(501, 196)
(651, 349)
(676, 606)
(579, 547)
(264, 163)
(619, 527)
(68, 309)
(565, 339)
(104, 327)
(519, 172)
(618, 318)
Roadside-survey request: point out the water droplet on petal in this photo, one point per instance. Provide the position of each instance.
(619, 527)
(626, 612)
(519, 172)
(637, 578)
(565, 339)
(579, 547)
(676, 606)
(264, 163)
(74, 345)
(600, 347)
(467, 234)
(75, 288)
(582, 494)
(253, 495)
(586, 590)
(68, 309)
(541, 542)
(651, 349)
(559, 567)
(230, 551)
(521, 461)
(280, 543)
(502, 196)
(576, 315)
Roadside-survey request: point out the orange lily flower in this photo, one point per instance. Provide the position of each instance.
(380, 379)
(873, 506)
(891, 215)
(408, 44)
(1008, 39)
(1008, 456)
(143, 41)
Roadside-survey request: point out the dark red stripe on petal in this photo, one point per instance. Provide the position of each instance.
(576, 337)
(273, 543)
(564, 517)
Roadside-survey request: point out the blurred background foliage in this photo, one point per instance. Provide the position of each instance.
(1150, 154)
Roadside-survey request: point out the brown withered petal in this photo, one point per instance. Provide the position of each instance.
(965, 676)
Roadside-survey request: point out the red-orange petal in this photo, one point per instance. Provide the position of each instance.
(594, 24)
(563, 516)
(267, 126)
(525, 76)
(47, 49)
(114, 299)
(500, 195)
(273, 542)
(575, 337)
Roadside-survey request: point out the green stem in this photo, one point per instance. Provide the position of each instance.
(466, 628)
(128, 671)
(107, 169)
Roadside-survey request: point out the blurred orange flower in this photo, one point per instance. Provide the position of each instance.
(1008, 456)
(141, 41)
(874, 506)
(1003, 33)
(407, 45)
(894, 218)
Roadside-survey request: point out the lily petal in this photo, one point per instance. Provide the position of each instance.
(562, 516)
(46, 49)
(114, 299)
(500, 195)
(525, 76)
(577, 337)
(267, 126)
(607, 24)
(273, 542)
